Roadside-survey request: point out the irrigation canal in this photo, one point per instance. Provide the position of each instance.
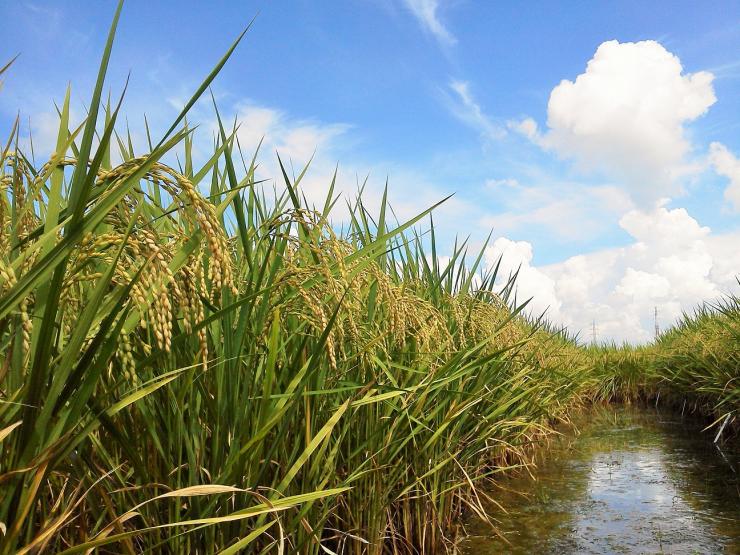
(632, 481)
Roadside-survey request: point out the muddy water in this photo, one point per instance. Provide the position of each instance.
(632, 481)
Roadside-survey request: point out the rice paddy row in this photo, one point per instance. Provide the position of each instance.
(199, 370)
(693, 366)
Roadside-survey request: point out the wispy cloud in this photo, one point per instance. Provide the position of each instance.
(564, 210)
(467, 110)
(299, 141)
(426, 12)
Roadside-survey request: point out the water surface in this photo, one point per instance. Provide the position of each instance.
(632, 481)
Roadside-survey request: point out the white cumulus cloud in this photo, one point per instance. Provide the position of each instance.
(625, 116)
(516, 258)
(673, 263)
(643, 286)
(727, 165)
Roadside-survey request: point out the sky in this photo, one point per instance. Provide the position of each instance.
(598, 142)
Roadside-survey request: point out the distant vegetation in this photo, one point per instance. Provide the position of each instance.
(192, 364)
(693, 367)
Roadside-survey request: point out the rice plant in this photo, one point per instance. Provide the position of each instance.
(693, 366)
(190, 363)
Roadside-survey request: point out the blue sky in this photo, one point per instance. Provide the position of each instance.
(617, 192)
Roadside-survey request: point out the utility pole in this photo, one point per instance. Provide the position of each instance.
(657, 328)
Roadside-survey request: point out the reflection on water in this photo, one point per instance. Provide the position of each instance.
(632, 481)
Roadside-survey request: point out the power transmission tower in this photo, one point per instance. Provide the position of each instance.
(593, 332)
(657, 328)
